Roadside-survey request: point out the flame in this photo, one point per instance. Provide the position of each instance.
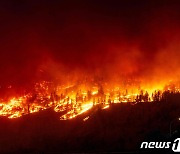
(74, 101)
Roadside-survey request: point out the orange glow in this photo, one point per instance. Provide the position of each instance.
(75, 101)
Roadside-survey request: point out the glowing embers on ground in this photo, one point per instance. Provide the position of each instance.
(76, 99)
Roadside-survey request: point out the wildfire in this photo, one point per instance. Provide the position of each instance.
(75, 100)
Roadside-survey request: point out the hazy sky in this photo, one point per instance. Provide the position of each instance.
(129, 37)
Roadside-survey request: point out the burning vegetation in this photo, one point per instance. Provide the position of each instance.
(87, 76)
(114, 41)
(73, 100)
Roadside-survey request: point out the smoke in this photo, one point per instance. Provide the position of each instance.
(68, 42)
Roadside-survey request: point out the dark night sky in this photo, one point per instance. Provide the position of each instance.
(109, 36)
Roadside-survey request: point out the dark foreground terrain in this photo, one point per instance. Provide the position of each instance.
(120, 128)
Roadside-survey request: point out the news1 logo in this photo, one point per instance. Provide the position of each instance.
(162, 145)
(176, 145)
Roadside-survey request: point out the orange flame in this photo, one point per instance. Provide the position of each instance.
(75, 101)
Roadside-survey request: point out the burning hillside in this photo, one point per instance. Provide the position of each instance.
(88, 76)
(73, 100)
